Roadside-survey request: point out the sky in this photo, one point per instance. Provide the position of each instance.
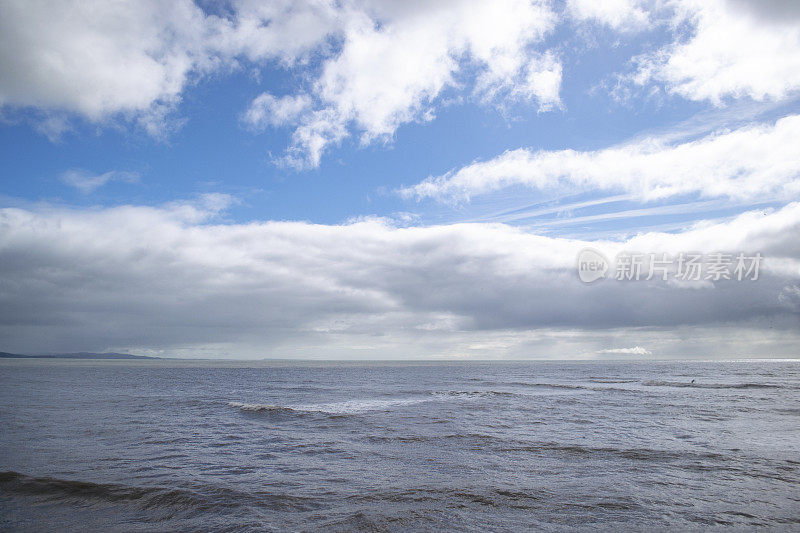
(377, 179)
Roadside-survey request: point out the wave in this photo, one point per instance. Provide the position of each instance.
(468, 439)
(47, 486)
(519, 498)
(693, 384)
(359, 406)
(66, 489)
(260, 408)
(566, 386)
(474, 394)
(203, 499)
(642, 454)
(348, 407)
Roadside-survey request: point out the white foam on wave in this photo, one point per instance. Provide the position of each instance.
(360, 406)
(333, 408)
(260, 407)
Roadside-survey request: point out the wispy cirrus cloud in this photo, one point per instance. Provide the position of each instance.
(87, 182)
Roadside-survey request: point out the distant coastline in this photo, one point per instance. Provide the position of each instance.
(78, 355)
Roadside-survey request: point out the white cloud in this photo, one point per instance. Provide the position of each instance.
(397, 58)
(134, 59)
(734, 49)
(753, 162)
(620, 15)
(383, 63)
(542, 82)
(174, 278)
(87, 182)
(636, 350)
(267, 110)
(286, 30)
(96, 59)
(377, 64)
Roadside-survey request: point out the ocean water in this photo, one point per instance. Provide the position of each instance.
(201, 446)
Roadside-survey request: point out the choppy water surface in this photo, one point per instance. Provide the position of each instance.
(409, 446)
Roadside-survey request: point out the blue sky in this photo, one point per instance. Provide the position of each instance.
(569, 121)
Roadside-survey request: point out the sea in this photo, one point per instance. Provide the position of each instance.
(166, 445)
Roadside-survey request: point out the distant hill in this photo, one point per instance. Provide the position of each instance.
(79, 355)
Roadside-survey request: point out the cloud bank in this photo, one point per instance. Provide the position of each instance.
(169, 278)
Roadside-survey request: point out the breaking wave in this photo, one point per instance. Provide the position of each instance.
(263, 408)
(349, 407)
(475, 394)
(352, 407)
